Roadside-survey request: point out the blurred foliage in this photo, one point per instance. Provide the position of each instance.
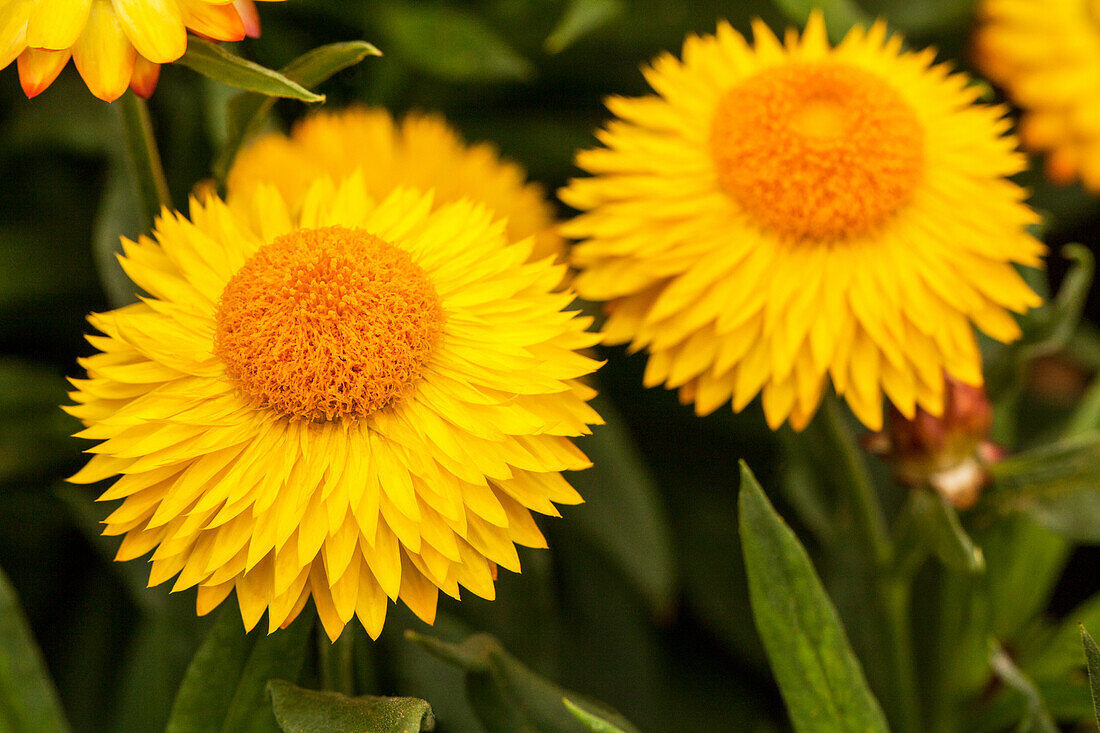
(643, 601)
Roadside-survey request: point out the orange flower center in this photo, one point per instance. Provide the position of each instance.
(817, 150)
(330, 323)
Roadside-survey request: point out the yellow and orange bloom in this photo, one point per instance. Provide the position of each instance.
(115, 44)
(335, 397)
(1046, 56)
(421, 150)
(783, 214)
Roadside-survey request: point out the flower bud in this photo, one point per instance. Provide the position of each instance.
(947, 453)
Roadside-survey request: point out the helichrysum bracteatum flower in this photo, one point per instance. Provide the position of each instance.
(421, 150)
(114, 43)
(780, 214)
(338, 397)
(1046, 55)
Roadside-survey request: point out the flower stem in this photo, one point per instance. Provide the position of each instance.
(141, 145)
(892, 591)
(337, 662)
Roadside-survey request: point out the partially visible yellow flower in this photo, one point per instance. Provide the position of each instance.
(421, 150)
(1046, 56)
(115, 43)
(779, 214)
(336, 397)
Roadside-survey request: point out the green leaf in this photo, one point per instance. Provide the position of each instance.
(580, 18)
(940, 527)
(117, 216)
(225, 686)
(1038, 719)
(620, 485)
(247, 111)
(1092, 662)
(592, 722)
(309, 711)
(215, 62)
(1050, 327)
(28, 700)
(840, 15)
(818, 674)
(507, 696)
(923, 17)
(451, 44)
(1055, 485)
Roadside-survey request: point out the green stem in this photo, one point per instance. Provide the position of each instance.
(141, 145)
(337, 661)
(892, 591)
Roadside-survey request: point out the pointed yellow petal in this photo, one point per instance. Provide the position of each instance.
(103, 55)
(56, 24)
(155, 28)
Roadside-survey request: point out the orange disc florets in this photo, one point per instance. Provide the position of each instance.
(322, 324)
(817, 150)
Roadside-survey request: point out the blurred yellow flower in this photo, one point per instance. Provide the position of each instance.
(1046, 56)
(421, 150)
(335, 398)
(114, 43)
(782, 213)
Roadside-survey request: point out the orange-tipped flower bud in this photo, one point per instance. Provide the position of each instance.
(947, 453)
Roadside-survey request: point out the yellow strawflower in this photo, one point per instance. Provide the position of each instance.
(338, 397)
(115, 44)
(421, 150)
(783, 213)
(1046, 56)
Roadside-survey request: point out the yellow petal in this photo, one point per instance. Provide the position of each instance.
(56, 24)
(13, 30)
(155, 27)
(145, 76)
(103, 55)
(38, 68)
(221, 22)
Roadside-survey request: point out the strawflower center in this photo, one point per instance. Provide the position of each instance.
(323, 324)
(817, 150)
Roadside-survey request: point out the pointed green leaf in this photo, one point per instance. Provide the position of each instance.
(507, 696)
(580, 18)
(1048, 328)
(28, 700)
(840, 15)
(118, 216)
(449, 43)
(619, 484)
(940, 527)
(247, 111)
(592, 722)
(310, 711)
(1092, 662)
(214, 61)
(225, 686)
(818, 674)
(1038, 719)
(1055, 485)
